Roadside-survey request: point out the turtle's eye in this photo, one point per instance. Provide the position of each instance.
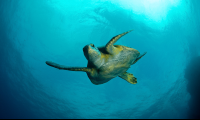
(92, 45)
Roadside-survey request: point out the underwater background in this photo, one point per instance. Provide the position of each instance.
(35, 31)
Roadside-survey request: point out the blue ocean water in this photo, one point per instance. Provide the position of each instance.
(35, 31)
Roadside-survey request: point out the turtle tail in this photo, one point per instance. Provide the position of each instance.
(62, 67)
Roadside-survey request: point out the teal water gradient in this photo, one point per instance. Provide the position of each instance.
(35, 31)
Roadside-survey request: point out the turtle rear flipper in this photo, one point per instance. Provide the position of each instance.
(139, 58)
(128, 77)
(62, 67)
(109, 46)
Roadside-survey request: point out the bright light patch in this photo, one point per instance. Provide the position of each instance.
(153, 9)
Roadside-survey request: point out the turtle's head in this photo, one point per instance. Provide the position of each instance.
(91, 52)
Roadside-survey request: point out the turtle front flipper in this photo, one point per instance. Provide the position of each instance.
(109, 46)
(128, 77)
(139, 58)
(62, 67)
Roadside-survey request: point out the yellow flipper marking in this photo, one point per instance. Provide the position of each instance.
(109, 45)
(128, 77)
(62, 67)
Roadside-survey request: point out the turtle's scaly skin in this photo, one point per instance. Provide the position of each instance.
(112, 65)
(105, 63)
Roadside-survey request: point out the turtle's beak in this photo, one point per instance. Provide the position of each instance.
(88, 47)
(85, 51)
(88, 50)
(91, 52)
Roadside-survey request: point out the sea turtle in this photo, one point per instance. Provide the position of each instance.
(107, 62)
